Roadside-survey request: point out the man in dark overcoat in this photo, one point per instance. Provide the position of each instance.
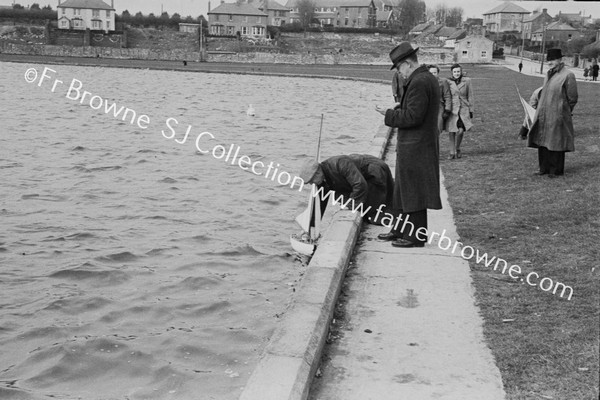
(552, 129)
(417, 180)
(361, 179)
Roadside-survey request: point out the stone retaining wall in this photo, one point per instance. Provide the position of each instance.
(426, 56)
(94, 51)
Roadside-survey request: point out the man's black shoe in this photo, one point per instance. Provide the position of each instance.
(407, 243)
(388, 236)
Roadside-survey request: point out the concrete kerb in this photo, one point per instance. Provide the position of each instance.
(290, 361)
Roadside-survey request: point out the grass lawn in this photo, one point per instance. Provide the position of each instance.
(547, 225)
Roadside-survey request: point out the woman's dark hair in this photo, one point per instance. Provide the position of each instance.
(429, 66)
(456, 66)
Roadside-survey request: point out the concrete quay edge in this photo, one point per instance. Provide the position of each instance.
(290, 361)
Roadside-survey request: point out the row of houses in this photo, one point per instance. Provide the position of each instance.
(510, 17)
(251, 18)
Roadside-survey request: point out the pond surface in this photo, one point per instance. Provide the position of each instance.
(133, 266)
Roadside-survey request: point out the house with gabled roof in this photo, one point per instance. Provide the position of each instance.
(556, 31)
(420, 28)
(385, 19)
(86, 14)
(456, 36)
(227, 19)
(535, 21)
(347, 13)
(277, 14)
(445, 32)
(505, 17)
(358, 13)
(578, 19)
(474, 49)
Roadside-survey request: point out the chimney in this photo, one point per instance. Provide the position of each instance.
(112, 3)
(209, 6)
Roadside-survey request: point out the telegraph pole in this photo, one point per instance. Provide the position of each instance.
(543, 49)
(201, 59)
(522, 37)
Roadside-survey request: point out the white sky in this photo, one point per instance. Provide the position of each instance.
(472, 8)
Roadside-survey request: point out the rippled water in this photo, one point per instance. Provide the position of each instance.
(135, 267)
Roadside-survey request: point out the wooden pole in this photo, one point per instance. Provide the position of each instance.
(319, 141)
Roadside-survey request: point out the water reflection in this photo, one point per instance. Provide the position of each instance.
(134, 266)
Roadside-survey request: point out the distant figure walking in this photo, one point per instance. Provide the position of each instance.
(586, 72)
(520, 66)
(552, 129)
(595, 70)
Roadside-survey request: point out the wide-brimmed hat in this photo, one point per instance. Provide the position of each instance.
(308, 171)
(553, 54)
(401, 52)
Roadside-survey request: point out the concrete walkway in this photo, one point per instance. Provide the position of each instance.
(532, 68)
(413, 331)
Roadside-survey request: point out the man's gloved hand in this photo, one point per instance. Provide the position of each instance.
(523, 132)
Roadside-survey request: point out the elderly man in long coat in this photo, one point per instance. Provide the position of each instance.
(552, 129)
(417, 180)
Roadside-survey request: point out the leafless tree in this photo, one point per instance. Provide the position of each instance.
(306, 11)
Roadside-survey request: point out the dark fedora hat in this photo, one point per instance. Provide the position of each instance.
(401, 52)
(553, 54)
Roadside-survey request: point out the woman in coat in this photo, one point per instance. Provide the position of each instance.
(552, 129)
(461, 119)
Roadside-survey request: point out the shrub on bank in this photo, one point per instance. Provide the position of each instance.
(297, 28)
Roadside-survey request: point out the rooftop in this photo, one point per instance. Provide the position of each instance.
(508, 8)
(273, 5)
(557, 26)
(237, 9)
(93, 4)
(535, 15)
